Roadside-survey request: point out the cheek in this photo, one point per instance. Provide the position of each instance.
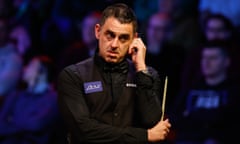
(103, 46)
(104, 43)
(124, 49)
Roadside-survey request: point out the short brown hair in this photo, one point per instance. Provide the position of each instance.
(122, 13)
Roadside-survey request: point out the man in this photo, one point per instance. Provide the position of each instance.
(207, 111)
(108, 98)
(214, 27)
(10, 62)
(30, 115)
(85, 46)
(166, 57)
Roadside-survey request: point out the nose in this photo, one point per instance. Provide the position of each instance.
(115, 43)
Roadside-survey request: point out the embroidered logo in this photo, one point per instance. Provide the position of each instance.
(91, 87)
(131, 85)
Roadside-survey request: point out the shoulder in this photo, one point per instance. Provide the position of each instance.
(73, 71)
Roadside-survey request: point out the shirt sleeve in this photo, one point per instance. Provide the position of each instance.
(148, 94)
(77, 116)
(10, 72)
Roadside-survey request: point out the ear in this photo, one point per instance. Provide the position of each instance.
(97, 30)
(136, 35)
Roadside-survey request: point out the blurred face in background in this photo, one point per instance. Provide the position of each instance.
(31, 71)
(215, 29)
(214, 62)
(87, 28)
(157, 29)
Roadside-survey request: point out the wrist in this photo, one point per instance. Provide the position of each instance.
(149, 135)
(145, 71)
(141, 67)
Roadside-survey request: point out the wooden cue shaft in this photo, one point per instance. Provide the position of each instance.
(164, 97)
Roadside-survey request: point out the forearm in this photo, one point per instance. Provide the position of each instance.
(148, 93)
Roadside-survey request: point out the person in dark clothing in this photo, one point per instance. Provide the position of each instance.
(207, 111)
(29, 114)
(166, 57)
(84, 46)
(109, 98)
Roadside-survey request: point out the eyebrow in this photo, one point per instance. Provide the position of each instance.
(121, 35)
(125, 36)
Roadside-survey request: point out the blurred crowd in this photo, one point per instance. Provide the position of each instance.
(195, 43)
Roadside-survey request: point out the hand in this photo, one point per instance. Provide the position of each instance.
(159, 132)
(137, 50)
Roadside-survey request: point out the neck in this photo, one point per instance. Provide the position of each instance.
(214, 80)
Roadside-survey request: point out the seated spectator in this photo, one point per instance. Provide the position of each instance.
(22, 40)
(163, 55)
(31, 114)
(214, 27)
(10, 61)
(206, 113)
(83, 47)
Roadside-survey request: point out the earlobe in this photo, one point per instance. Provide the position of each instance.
(97, 30)
(136, 35)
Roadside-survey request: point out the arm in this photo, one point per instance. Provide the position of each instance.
(40, 115)
(77, 116)
(148, 92)
(148, 85)
(10, 71)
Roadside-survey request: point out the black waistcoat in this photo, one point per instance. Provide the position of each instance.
(109, 94)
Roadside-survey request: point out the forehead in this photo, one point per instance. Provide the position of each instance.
(212, 51)
(112, 24)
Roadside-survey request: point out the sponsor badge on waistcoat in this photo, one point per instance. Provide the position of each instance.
(91, 87)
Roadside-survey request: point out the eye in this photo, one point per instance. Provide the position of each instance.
(110, 35)
(124, 38)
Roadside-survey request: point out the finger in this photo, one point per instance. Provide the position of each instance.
(133, 46)
(140, 42)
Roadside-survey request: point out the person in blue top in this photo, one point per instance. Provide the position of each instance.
(28, 115)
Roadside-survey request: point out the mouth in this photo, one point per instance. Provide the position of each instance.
(112, 53)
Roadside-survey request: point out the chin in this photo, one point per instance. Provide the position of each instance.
(112, 60)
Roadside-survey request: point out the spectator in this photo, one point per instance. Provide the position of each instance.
(83, 47)
(22, 40)
(207, 111)
(10, 61)
(28, 115)
(215, 26)
(164, 56)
